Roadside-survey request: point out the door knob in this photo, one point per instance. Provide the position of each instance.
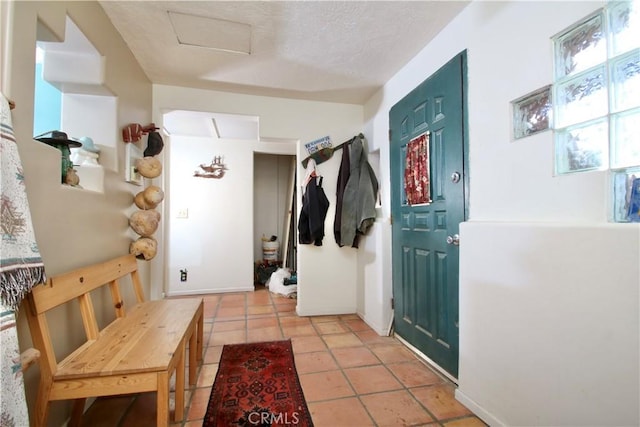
(454, 240)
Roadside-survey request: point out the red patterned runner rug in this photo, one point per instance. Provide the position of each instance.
(257, 385)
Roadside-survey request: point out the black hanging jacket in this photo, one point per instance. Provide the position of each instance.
(314, 211)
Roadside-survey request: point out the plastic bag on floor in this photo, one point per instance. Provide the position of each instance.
(276, 283)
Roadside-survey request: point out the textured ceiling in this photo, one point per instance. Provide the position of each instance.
(317, 50)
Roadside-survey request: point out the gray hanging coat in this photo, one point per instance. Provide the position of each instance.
(343, 178)
(359, 197)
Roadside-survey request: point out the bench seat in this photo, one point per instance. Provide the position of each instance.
(143, 341)
(138, 351)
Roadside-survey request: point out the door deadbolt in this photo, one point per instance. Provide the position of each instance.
(454, 240)
(455, 177)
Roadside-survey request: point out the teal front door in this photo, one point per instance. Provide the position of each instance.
(429, 188)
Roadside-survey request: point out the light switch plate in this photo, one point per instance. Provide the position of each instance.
(183, 213)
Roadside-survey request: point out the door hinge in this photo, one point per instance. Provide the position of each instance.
(393, 305)
(389, 135)
(391, 219)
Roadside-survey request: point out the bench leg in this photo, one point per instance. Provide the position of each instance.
(193, 364)
(42, 403)
(178, 414)
(200, 329)
(76, 413)
(163, 400)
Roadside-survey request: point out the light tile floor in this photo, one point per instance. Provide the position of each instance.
(350, 375)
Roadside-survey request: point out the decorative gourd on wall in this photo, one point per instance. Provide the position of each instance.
(145, 221)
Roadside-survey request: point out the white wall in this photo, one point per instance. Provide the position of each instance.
(321, 290)
(215, 242)
(549, 307)
(374, 297)
(549, 328)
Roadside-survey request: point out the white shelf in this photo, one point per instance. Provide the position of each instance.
(91, 178)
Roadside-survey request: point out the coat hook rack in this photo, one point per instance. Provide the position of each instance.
(133, 132)
(326, 153)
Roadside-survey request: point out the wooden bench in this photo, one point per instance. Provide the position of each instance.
(137, 352)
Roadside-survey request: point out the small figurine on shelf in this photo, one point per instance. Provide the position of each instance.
(72, 178)
(59, 140)
(87, 155)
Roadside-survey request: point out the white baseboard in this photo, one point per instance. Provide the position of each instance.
(210, 291)
(380, 330)
(478, 410)
(326, 311)
(431, 363)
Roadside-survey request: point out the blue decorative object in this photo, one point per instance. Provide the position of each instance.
(87, 144)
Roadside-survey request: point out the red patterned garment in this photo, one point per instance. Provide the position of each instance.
(416, 171)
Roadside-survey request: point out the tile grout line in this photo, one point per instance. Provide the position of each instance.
(347, 328)
(369, 414)
(405, 388)
(193, 389)
(443, 381)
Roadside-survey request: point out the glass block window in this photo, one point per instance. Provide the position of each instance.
(623, 180)
(596, 91)
(531, 113)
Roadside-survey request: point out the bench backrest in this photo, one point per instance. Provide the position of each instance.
(78, 284)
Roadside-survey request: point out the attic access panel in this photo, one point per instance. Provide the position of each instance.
(211, 33)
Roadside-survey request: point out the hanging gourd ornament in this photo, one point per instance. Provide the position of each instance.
(144, 248)
(142, 203)
(153, 195)
(149, 167)
(145, 223)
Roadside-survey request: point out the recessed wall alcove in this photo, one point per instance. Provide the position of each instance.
(70, 96)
